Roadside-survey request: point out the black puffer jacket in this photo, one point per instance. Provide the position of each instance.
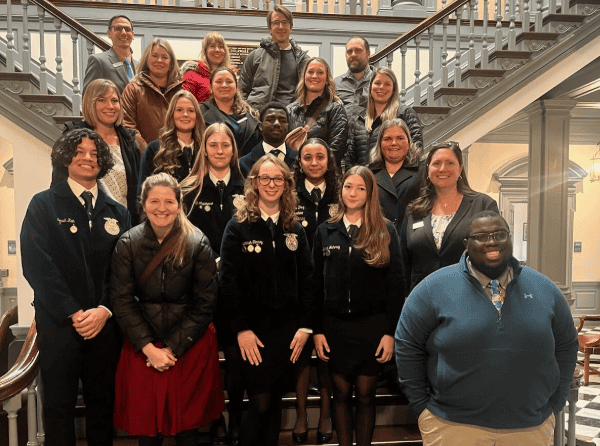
(176, 303)
(360, 141)
(331, 125)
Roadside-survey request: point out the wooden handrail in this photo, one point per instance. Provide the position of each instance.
(421, 27)
(71, 22)
(9, 318)
(25, 369)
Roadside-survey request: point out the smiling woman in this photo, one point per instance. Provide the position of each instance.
(180, 141)
(146, 98)
(437, 221)
(102, 112)
(226, 105)
(317, 103)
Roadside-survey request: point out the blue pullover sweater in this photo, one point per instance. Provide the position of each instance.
(461, 360)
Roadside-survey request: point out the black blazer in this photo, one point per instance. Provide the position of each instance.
(310, 215)
(186, 161)
(419, 253)
(247, 161)
(131, 159)
(396, 192)
(346, 284)
(248, 134)
(211, 215)
(266, 278)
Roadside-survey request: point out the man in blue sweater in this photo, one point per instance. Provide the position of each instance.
(486, 348)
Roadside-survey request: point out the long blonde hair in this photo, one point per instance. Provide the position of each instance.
(195, 180)
(329, 93)
(178, 252)
(94, 91)
(391, 109)
(250, 212)
(214, 37)
(167, 156)
(373, 237)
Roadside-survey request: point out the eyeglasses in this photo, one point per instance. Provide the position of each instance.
(498, 236)
(278, 23)
(118, 29)
(265, 180)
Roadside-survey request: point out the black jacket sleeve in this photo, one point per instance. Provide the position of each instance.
(410, 116)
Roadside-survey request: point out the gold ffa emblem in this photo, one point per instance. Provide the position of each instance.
(238, 201)
(291, 241)
(111, 226)
(333, 208)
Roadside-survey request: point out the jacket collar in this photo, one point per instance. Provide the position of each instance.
(144, 79)
(406, 172)
(113, 58)
(272, 48)
(513, 263)
(62, 189)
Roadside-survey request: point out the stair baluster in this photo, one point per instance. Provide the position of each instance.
(484, 50)
(417, 85)
(60, 84)
(457, 55)
(10, 44)
(430, 92)
(43, 69)
(26, 53)
(76, 92)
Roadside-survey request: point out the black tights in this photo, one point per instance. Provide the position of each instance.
(263, 421)
(185, 438)
(365, 408)
(234, 383)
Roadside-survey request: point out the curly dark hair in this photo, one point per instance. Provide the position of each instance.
(331, 176)
(65, 148)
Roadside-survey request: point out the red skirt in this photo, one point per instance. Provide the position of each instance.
(186, 396)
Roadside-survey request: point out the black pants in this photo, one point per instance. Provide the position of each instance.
(65, 358)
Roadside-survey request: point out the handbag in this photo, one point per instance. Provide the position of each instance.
(298, 136)
(164, 250)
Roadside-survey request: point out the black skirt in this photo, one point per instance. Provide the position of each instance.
(275, 371)
(353, 341)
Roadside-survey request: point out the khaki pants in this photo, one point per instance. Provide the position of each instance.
(438, 432)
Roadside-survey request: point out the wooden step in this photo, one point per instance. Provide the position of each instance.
(48, 104)
(562, 23)
(19, 83)
(479, 78)
(508, 60)
(431, 115)
(535, 42)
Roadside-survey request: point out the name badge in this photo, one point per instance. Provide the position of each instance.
(117, 64)
(418, 224)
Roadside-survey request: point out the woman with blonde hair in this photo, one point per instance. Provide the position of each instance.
(266, 287)
(214, 54)
(211, 193)
(359, 284)
(317, 108)
(146, 98)
(102, 112)
(383, 104)
(227, 105)
(180, 140)
(163, 288)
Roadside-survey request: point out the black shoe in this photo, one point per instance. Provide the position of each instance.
(324, 438)
(300, 437)
(233, 438)
(218, 432)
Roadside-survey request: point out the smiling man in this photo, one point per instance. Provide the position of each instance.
(67, 239)
(274, 124)
(486, 348)
(271, 72)
(116, 64)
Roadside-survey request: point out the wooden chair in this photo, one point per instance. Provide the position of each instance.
(589, 344)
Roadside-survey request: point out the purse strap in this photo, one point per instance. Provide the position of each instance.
(164, 250)
(316, 114)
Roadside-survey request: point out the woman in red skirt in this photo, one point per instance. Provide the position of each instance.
(163, 289)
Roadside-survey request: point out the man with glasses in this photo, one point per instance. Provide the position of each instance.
(271, 72)
(116, 64)
(486, 348)
(273, 124)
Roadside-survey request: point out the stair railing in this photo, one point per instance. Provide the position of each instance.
(22, 375)
(21, 61)
(470, 49)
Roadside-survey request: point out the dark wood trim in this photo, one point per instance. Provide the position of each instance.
(9, 318)
(25, 369)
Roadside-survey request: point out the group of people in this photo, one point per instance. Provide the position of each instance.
(189, 214)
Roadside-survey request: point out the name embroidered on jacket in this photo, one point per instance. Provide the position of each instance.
(252, 246)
